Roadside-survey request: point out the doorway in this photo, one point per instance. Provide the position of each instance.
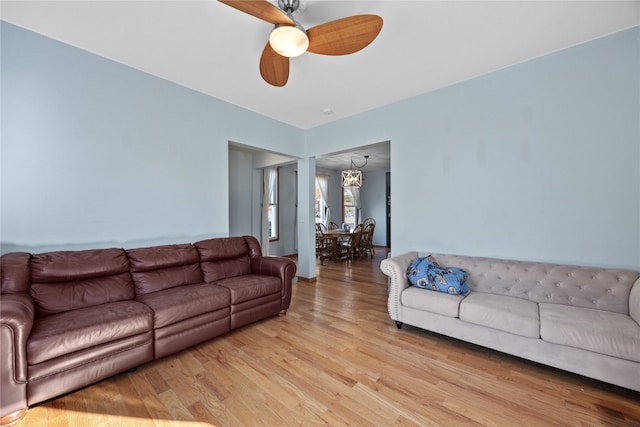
(373, 197)
(246, 166)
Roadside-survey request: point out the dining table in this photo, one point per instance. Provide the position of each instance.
(336, 236)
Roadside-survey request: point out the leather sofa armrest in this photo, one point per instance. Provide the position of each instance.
(283, 268)
(16, 320)
(634, 302)
(396, 269)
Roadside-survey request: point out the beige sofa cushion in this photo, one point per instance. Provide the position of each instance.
(515, 315)
(433, 301)
(601, 331)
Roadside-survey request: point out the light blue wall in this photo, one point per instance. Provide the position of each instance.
(97, 154)
(241, 189)
(539, 161)
(374, 203)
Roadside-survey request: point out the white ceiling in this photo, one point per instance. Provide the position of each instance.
(424, 45)
(379, 158)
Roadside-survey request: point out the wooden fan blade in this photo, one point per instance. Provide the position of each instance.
(344, 36)
(261, 9)
(274, 68)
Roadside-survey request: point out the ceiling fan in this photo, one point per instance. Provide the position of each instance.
(289, 39)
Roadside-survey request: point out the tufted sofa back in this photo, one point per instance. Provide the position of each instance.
(588, 287)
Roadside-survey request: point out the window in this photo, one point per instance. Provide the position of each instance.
(273, 217)
(321, 207)
(349, 208)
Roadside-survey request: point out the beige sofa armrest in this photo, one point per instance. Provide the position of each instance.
(634, 302)
(396, 269)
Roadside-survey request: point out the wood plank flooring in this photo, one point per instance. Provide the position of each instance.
(337, 359)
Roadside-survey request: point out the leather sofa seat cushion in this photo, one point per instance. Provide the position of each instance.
(600, 331)
(161, 267)
(222, 258)
(69, 280)
(75, 330)
(183, 302)
(433, 301)
(509, 314)
(250, 286)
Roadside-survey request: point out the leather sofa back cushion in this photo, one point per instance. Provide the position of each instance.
(14, 273)
(162, 267)
(68, 280)
(587, 287)
(222, 258)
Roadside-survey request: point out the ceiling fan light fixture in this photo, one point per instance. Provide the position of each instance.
(289, 41)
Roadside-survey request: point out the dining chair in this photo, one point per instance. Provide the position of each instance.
(323, 245)
(350, 248)
(366, 241)
(368, 221)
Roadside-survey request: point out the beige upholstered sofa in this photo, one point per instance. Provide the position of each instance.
(580, 319)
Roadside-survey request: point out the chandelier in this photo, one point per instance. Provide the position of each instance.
(352, 177)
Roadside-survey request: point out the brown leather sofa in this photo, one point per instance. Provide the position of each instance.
(72, 318)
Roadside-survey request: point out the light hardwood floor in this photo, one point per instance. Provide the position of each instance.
(337, 359)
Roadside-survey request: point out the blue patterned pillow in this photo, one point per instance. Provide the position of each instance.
(427, 274)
